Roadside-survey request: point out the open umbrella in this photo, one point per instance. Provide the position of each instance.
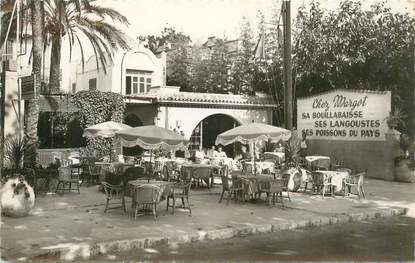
(253, 133)
(104, 130)
(152, 137)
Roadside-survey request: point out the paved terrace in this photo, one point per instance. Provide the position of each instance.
(75, 225)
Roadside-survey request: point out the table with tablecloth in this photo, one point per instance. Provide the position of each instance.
(274, 156)
(252, 184)
(337, 178)
(191, 170)
(317, 161)
(219, 161)
(164, 188)
(107, 168)
(261, 167)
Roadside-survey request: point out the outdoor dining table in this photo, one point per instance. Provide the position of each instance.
(277, 156)
(337, 178)
(191, 169)
(260, 166)
(110, 167)
(318, 160)
(164, 188)
(253, 184)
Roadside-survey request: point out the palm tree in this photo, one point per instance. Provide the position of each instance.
(75, 18)
(33, 104)
(60, 18)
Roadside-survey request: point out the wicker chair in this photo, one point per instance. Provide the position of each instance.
(185, 174)
(134, 173)
(169, 173)
(147, 196)
(274, 189)
(235, 188)
(91, 174)
(202, 174)
(285, 178)
(67, 178)
(180, 190)
(115, 195)
(335, 164)
(321, 182)
(354, 180)
(308, 179)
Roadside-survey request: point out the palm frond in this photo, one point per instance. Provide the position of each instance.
(99, 54)
(73, 17)
(110, 33)
(108, 12)
(82, 53)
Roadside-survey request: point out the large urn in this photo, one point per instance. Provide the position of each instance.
(17, 197)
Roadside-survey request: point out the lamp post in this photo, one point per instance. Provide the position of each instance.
(288, 112)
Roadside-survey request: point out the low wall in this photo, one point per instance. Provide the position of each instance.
(375, 156)
(47, 156)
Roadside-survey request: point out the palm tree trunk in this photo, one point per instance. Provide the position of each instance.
(32, 110)
(55, 62)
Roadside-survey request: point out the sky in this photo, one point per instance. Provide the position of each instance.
(203, 18)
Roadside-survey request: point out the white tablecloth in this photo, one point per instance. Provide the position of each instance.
(261, 167)
(313, 158)
(336, 178)
(276, 154)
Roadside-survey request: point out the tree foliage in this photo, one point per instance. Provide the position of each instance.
(211, 71)
(170, 36)
(96, 107)
(242, 69)
(178, 58)
(75, 18)
(352, 48)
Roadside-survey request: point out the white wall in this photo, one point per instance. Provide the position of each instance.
(25, 67)
(10, 120)
(104, 81)
(190, 117)
(139, 58)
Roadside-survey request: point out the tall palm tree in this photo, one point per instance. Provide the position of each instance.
(81, 18)
(33, 104)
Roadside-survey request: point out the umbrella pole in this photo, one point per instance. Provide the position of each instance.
(254, 160)
(150, 170)
(110, 149)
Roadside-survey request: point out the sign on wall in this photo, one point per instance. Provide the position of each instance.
(28, 87)
(344, 115)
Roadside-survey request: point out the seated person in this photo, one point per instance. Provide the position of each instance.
(199, 156)
(211, 153)
(243, 155)
(220, 153)
(279, 148)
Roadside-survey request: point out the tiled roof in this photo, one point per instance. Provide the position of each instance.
(206, 98)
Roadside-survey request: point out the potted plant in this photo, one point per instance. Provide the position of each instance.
(292, 164)
(16, 195)
(395, 118)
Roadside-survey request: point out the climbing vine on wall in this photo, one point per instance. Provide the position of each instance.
(96, 107)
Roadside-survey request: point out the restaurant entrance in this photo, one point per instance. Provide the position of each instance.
(205, 133)
(134, 121)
